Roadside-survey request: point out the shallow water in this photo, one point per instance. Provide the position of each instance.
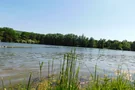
(16, 63)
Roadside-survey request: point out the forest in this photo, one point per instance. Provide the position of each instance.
(10, 35)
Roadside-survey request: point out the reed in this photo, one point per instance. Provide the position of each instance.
(3, 86)
(41, 66)
(29, 82)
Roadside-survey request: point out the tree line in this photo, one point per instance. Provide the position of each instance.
(10, 35)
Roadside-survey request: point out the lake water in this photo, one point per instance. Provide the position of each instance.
(17, 63)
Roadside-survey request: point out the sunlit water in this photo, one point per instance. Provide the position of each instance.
(17, 63)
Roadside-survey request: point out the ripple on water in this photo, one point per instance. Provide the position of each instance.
(30, 59)
(9, 68)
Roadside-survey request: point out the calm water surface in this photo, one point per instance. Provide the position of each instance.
(16, 63)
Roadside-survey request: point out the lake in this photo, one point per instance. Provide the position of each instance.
(17, 63)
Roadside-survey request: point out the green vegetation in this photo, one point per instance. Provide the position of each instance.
(11, 35)
(68, 79)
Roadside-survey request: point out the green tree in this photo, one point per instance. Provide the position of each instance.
(92, 43)
(9, 35)
(133, 46)
(108, 44)
(1, 34)
(83, 41)
(126, 45)
(69, 40)
(101, 43)
(25, 35)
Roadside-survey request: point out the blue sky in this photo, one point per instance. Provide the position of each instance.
(109, 19)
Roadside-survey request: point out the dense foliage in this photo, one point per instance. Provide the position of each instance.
(11, 35)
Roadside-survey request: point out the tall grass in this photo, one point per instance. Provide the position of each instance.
(3, 87)
(68, 78)
(40, 68)
(29, 82)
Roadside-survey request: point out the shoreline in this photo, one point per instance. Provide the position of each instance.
(13, 47)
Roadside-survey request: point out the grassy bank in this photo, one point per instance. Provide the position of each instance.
(68, 78)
